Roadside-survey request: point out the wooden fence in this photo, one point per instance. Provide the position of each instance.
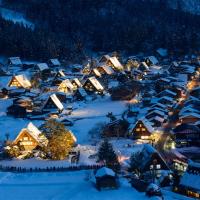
(48, 169)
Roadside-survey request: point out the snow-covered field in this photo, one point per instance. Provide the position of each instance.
(87, 114)
(10, 125)
(60, 186)
(92, 113)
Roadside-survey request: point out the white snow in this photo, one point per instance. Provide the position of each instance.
(9, 124)
(91, 113)
(67, 185)
(105, 171)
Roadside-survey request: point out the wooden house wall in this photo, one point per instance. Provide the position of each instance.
(140, 130)
(14, 83)
(27, 141)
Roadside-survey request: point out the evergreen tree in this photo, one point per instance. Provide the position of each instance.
(135, 162)
(107, 155)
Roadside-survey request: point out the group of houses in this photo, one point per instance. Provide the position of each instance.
(169, 100)
(45, 86)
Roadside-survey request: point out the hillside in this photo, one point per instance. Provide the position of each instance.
(72, 29)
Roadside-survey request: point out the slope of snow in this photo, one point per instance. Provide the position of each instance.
(88, 115)
(9, 124)
(99, 108)
(15, 17)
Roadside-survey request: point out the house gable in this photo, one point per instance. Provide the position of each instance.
(141, 130)
(14, 83)
(26, 140)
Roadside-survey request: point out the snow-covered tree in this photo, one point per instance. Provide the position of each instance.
(61, 140)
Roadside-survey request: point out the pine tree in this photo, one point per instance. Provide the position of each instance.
(135, 161)
(107, 155)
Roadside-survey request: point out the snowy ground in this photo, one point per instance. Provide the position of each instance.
(86, 116)
(92, 113)
(11, 125)
(69, 185)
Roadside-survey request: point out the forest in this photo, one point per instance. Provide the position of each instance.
(73, 29)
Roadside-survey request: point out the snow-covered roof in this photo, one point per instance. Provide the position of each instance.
(165, 79)
(191, 180)
(155, 69)
(57, 101)
(191, 177)
(107, 57)
(104, 171)
(42, 66)
(96, 72)
(168, 92)
(96, 83)
(175, 64)
(61, 73)
(157, 118)
(159, 112)
(188, 109)
(159, 105)
(55, 61)
(196, 89)
(73, 136)
(153, 60)
(188, 68)
(82, 92)
(78, 83)
(190, 114)
(23, 81)
(145, 65)
(66, 83)
(182, 77)
(166, 98)
(147, 152)
(34, 132)
(116, 63)
(162, 52)
(146, 123)
(15, 60)
(108, 69)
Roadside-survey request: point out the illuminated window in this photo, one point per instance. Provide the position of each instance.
(137, 129)
(140, 125)
(25, 138)
(158, 166)
(143, 129)
(193, 194)
(144, 137)
(26, 143)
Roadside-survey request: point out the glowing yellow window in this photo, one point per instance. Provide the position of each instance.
(137, 129)
(143, 129)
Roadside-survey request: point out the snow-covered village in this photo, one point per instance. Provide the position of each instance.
(111, 125)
